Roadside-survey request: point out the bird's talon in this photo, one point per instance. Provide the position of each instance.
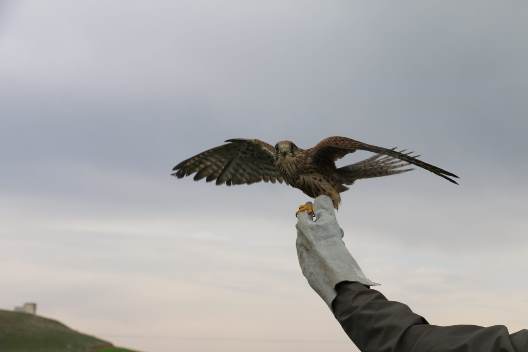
(306, 208)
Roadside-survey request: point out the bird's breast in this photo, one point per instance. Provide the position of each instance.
(289, 168)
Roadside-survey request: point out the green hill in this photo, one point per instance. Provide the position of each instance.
(21, 332)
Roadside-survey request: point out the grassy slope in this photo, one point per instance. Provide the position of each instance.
(21, 332)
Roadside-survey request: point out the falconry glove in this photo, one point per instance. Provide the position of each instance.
(323, 257)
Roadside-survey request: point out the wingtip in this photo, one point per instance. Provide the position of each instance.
(447, 175)
(179, 173)
(451, 175)
(179, 165)
(452, 181)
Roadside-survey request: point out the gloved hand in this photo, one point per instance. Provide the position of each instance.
(324, 259)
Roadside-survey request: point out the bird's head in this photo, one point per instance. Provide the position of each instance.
(284, 149)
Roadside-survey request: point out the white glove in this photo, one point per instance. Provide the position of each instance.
(324, 259)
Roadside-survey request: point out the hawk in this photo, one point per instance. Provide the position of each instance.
(313, 170)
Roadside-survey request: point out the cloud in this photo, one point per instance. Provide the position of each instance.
(99, 103)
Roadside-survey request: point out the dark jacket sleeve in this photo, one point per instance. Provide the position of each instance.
(376, 324)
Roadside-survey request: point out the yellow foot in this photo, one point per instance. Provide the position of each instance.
(306, 208)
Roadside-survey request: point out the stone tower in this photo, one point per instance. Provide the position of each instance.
(29, 308)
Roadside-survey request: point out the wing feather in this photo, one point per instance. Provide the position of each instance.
(333, 148)
(239, 161)
(375, 166)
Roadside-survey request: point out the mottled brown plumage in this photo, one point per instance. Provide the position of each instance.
(313, 170)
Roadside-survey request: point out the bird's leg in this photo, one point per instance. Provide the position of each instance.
(306, 208)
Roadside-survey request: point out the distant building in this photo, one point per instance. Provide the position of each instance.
(29, 308)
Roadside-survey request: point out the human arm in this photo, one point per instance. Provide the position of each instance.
(369, 319)
(377, 324)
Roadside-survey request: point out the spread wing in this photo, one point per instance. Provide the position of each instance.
(332, 148)
(375, 166)
(240, 161)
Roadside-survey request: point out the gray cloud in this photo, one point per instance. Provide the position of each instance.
(99, 103)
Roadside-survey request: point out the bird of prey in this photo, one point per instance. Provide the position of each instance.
(313, 170)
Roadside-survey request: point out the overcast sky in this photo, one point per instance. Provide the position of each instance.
(98, 102)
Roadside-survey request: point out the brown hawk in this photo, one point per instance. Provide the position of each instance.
(313, 170)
